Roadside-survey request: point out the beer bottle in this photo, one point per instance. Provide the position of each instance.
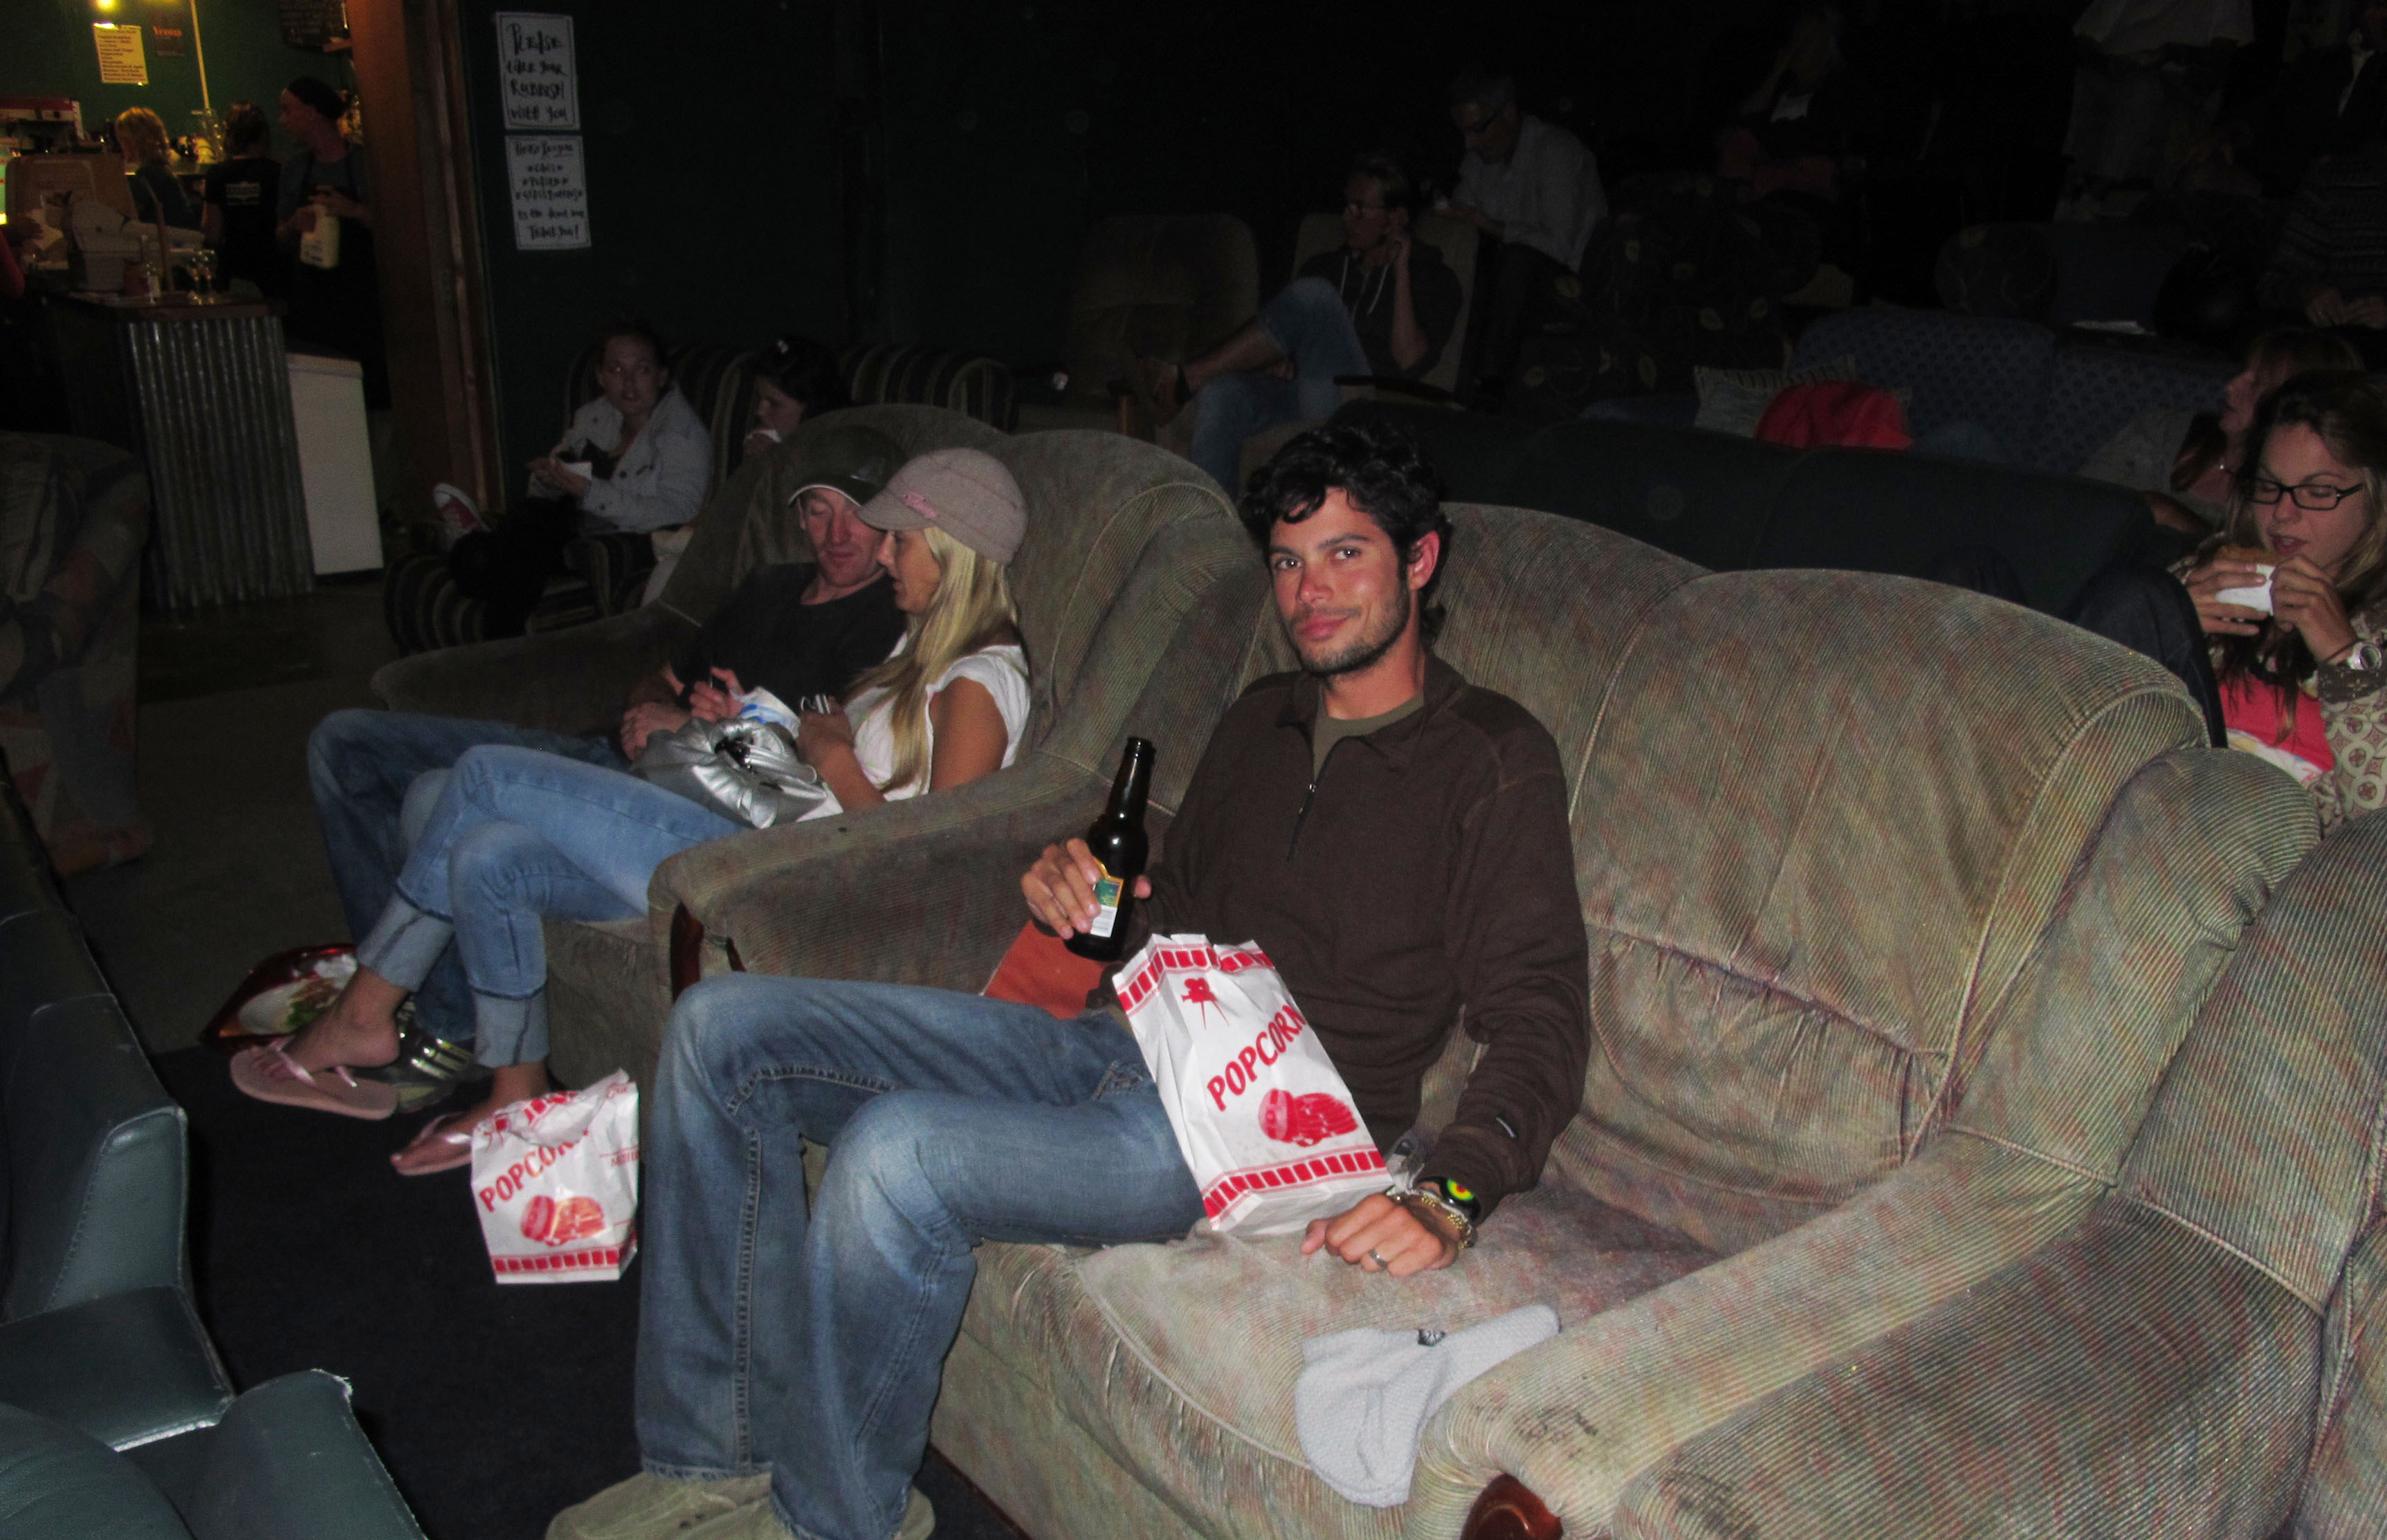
(1116, 838)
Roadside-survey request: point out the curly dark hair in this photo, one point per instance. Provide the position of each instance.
(1378, 466)
(806, 371)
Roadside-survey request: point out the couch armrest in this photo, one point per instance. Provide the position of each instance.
(288, 1462)
(2345, 1489)
(823, 899)
(1581, 1416)
(2131, 1379)
(568, 681)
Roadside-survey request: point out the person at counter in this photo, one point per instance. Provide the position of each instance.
(141, 137)
(238, 203)
(334, 304)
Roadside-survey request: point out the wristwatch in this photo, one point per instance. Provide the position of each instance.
(2364, 657)
(1453, 1212)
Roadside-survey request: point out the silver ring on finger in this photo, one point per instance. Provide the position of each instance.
(1378, 1257)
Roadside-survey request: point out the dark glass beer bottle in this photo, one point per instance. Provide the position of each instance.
(1116, 838)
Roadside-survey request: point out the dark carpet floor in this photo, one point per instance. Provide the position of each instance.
(492, 1407)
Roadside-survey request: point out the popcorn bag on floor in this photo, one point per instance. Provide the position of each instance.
(1261, 1115)
(556, 1181)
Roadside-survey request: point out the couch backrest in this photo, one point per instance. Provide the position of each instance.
(1454, 238)
(1821, 821)
(1096, 502)
(1955, 368)
(1159, 285)
(1874, 511)
(751, 521)
(1706, 497)
(2268, 1134)
(2094, 392)
(895, 373)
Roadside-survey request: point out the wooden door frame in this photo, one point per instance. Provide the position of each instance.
(409, 66)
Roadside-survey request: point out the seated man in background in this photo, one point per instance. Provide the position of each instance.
(1382, 305)
(789, 1354)
(793, 628)
(1533, 190)
(2330, 264)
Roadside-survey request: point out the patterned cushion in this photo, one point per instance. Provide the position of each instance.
(890, 374)
(1962, 369)
(2095, 391)
(1731, 400)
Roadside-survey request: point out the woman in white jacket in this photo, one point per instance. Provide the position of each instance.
(638, 458)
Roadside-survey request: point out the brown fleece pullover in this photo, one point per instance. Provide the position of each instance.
(1425, 873)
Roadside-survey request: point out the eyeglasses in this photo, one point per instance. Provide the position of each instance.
(2313, 496)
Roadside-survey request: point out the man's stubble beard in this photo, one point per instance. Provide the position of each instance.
(1365, 653)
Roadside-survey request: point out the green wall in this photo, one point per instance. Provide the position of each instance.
(709, 143)
(45, 49)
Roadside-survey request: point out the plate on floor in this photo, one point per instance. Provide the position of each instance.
(281, 996)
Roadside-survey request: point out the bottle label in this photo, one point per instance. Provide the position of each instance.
(1107, 895)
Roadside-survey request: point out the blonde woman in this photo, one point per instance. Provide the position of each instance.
(518, 836)
(141, 137)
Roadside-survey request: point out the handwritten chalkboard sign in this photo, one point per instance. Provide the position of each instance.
(538, 82)
(550, 191)
(312, 23)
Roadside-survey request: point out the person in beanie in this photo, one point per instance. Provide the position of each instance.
(1394, 838)
(798, 629)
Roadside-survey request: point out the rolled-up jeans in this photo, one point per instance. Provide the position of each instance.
(810, 1344)
(518, 836)
(1309, 325)
(360, 766)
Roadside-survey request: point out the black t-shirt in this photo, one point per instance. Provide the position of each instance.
(772, 640)
(247, 192)
(1368, 294)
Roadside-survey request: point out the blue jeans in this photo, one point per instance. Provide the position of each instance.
(810, 1343)
(1309, 325)
(359, 764)
(517, 836)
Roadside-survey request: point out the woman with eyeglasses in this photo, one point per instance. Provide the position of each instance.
(635, 459)
(2291, 594)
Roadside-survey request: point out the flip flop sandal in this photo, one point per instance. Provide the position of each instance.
(270, 1074)
(453, 1148)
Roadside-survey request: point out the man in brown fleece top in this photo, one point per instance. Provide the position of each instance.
(1395, 839)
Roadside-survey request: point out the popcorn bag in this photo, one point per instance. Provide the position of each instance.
(556, 1181)
(1260, 1112)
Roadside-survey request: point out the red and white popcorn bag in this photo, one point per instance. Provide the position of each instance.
(1261, 1115)
(556, 1181)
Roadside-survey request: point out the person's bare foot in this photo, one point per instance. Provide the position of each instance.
(433, 1148)
(360, 1031)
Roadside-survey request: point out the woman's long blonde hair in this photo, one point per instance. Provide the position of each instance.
(141, 137)
(972, 610)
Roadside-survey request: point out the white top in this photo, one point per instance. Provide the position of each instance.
(1547, 194)
(1001, 671)
(663, 477)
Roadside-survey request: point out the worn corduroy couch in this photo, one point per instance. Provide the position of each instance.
(1901, 900)
(1139, 595)
(2201, 1354)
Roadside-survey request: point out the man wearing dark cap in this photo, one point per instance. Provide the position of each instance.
(795, 628)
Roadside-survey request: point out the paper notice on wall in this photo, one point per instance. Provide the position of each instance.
(121, 59)
(538, 82)
(550, 191)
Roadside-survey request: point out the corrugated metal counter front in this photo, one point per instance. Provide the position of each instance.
(210, 399)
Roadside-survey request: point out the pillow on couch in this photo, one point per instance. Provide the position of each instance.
(1731, 400)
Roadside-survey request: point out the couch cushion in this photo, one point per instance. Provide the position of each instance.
(1960, 368)
(1868, 511)
(57, 1483)
(1131, 1345)
(1783, 969)
(887, 373)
